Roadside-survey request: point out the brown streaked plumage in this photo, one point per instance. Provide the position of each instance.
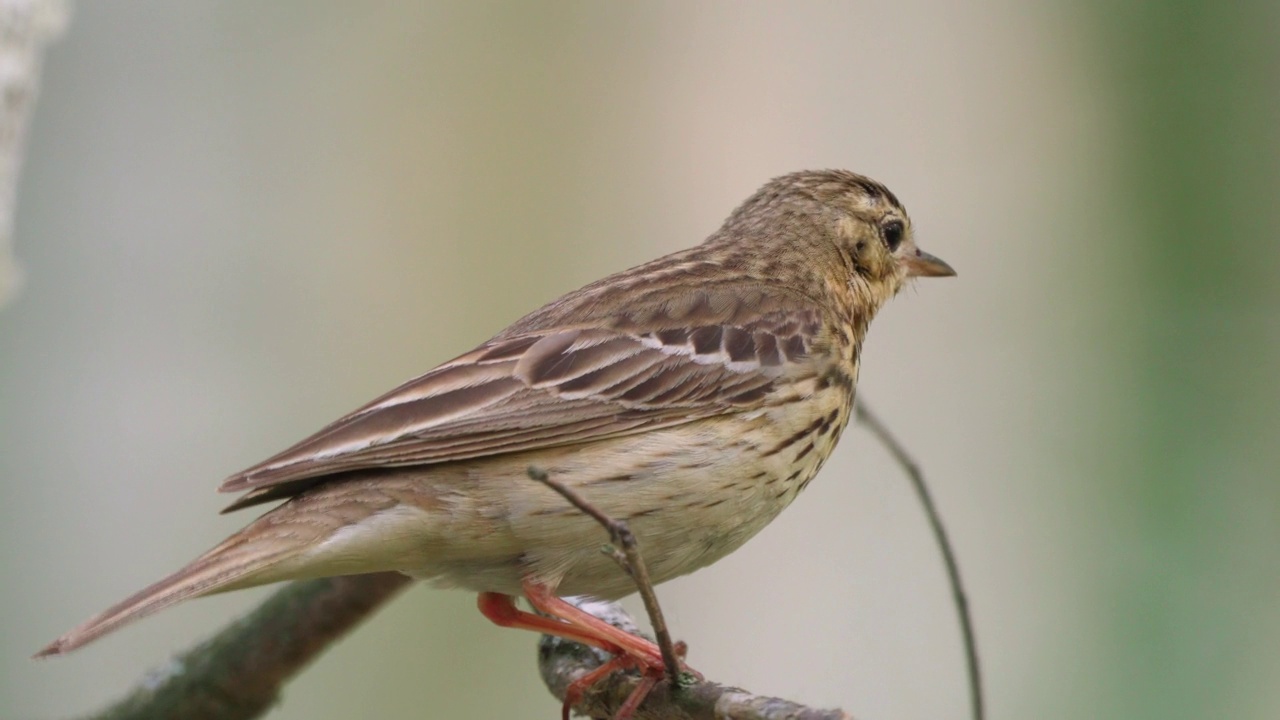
(693, 396)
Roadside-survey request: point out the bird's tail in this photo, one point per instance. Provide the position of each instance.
(349, 528)
(242, 561)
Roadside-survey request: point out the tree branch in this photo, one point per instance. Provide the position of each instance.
(561, 662)
(238, 673)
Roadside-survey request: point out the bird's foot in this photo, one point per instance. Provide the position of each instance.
(650, 675)
(563, 619)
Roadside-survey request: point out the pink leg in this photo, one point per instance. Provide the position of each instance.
(502, 611)
(644, 652)
(572, 623)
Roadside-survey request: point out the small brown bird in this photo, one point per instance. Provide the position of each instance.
(693, 396)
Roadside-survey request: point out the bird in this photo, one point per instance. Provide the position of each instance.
(692, 397)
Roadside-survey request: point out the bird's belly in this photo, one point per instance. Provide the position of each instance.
(691, 494)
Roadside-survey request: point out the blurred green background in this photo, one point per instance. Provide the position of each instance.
(239, 220)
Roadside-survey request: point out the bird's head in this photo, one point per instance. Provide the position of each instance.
(852, 219)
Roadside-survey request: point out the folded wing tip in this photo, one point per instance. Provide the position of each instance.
(235, 483)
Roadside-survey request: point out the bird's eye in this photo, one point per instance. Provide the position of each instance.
(892, 232)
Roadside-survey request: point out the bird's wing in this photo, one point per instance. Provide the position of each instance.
(706, 353)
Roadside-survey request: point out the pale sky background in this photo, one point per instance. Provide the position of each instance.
(239, 220)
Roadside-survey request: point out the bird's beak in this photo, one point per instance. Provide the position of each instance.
(922, 264)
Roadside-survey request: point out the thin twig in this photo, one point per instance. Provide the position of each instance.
(561, 662)
(912, 469)
(238, 673)
(631, 561)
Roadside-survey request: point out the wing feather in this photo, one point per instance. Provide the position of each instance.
(699, 354)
